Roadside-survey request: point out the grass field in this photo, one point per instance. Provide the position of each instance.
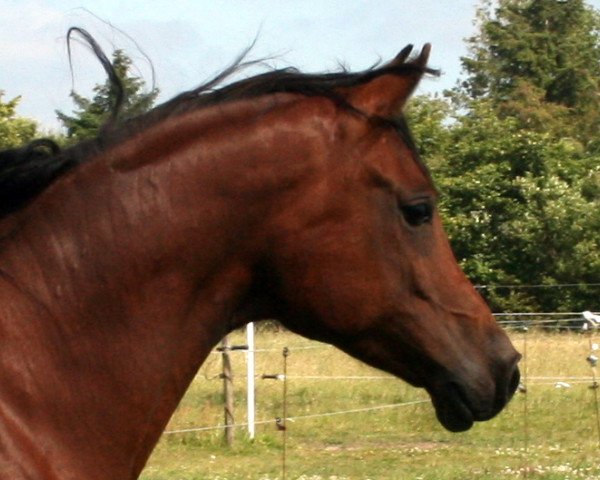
(546, 433)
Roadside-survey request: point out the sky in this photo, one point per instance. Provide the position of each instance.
(189, 41)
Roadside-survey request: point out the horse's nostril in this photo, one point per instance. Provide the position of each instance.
(509, 375)
(514, 382)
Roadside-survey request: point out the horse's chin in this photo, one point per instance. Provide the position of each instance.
(452, 409)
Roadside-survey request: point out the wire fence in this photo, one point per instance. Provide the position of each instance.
(548, 321)
(582, 330)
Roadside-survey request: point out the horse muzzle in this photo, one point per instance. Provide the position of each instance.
(461, 401)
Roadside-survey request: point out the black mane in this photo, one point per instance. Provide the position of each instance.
(25, 172)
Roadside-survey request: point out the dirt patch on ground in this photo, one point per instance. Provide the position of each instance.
(421, 446)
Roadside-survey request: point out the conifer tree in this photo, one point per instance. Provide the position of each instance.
(91, 114)
(538, 61)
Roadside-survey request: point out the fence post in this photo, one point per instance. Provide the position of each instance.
(591, 323)
(250, 361)
(227, 390)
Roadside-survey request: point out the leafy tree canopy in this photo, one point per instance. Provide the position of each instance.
(14, 131)
(516, 155)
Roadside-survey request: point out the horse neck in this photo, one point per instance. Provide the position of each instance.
(125, 273)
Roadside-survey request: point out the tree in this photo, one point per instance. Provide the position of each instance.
(521, 208)
(538, 61)
(427, 116)
(517, 162)
(14, 131)
(90, 115)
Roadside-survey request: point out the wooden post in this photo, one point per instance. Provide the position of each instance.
(227, 376)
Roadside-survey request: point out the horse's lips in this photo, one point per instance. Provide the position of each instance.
(452, 410)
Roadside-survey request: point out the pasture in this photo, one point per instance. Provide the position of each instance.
(549, 433)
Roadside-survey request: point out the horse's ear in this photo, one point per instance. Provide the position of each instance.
(401, 57)
(385, 95)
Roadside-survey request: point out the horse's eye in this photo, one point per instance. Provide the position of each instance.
(417, 214)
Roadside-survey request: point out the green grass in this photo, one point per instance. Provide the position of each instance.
(547, 433)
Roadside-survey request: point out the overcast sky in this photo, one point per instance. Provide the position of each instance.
(190, 40)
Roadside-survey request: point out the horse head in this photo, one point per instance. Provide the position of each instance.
(358, 258)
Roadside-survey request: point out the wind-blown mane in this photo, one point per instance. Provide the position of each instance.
(27, 171)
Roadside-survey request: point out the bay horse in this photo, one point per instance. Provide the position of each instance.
(285, 195)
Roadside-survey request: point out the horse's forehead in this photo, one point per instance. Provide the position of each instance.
(393, 157)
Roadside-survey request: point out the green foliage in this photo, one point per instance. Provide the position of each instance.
(14, 131)
(540, 62)
(516, 154)
(427, 117)
(90, 115)
(521, 208)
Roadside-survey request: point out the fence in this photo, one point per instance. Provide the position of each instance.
(275, 386)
